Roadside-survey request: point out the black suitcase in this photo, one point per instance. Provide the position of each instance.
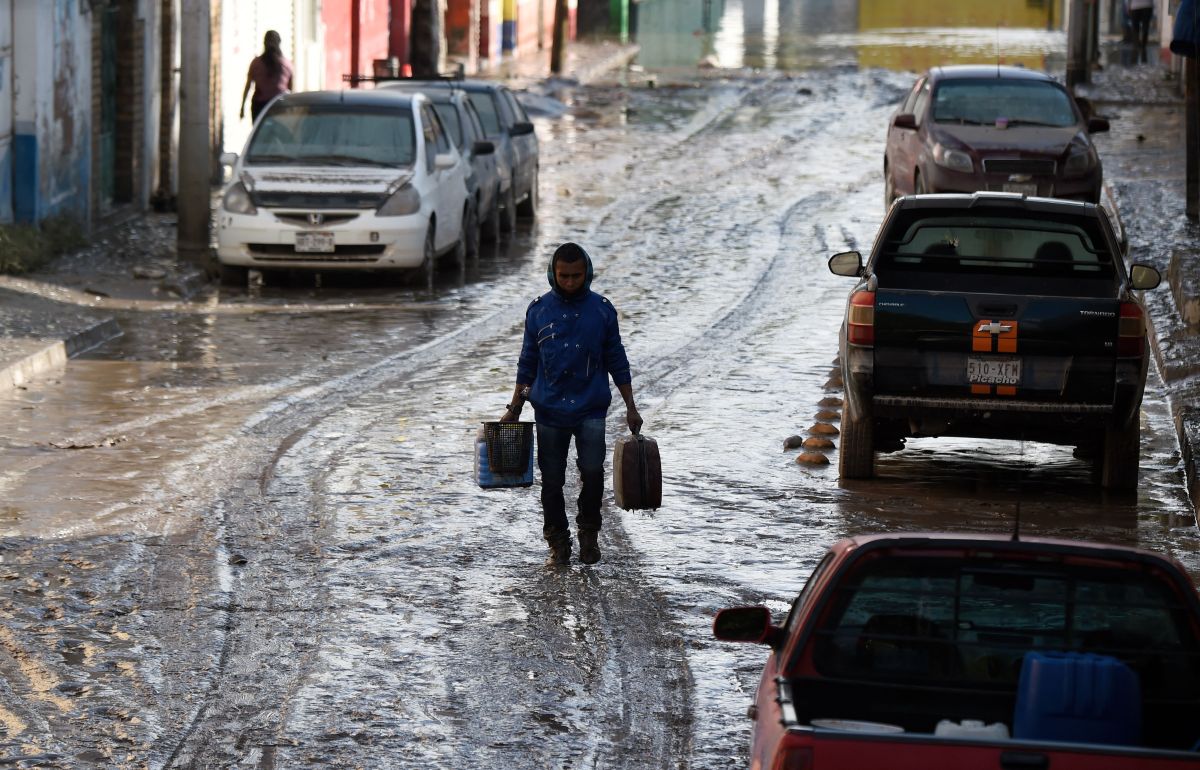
(637, 473)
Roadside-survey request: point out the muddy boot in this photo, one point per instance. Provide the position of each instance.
(589, 552)
(560, 547)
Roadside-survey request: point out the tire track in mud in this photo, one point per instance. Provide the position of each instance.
(210, 729)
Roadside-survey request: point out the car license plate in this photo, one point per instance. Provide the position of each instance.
(1024, 188)
(993, 370)
(318, 242)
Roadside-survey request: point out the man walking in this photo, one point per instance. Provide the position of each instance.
(571, 347)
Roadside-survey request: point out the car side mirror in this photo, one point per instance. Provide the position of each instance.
(1143, 276)
(746, 624)
(228, 158)
(1097, 125)
(483, 148)
(847, 263)
(444, 160)
(521, 129)
(905, 120)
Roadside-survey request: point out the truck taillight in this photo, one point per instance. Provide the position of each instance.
(860, 322)
(790, 756)
(1131, 331)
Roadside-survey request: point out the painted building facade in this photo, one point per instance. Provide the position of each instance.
(81, 106)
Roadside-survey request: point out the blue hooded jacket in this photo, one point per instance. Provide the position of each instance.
(571, 347)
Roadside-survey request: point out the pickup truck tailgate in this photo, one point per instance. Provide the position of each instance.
(1024, 347)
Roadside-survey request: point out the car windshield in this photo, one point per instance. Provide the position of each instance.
(449, 117)
(486, 108)
(995, 101)
(334, 135)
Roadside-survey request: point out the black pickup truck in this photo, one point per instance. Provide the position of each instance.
(994, 315)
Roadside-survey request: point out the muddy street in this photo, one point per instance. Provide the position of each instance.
(246, 533)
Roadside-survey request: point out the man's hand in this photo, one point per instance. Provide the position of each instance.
(634, 419)
(510, 416)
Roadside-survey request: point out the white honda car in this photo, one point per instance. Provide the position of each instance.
(345, 180)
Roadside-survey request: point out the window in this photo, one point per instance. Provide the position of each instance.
(921, 103)
(1005, 102)
(801, 602)
(334, 135)
(448, 114)
(911, 99)
(515, 106)
(475, 131)
(488, 112)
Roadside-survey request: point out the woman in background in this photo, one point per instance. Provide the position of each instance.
(270, 73)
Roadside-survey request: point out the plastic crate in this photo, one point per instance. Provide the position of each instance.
(487, 478)
(508, 445)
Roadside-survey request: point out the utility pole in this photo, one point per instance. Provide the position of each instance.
(195, 140)
(558, 41)
(1078, 24)
(1191, 69)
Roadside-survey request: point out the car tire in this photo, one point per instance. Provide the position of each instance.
(856, 458)
(429, 263)
(233, 275)
(1121, 458)
(508, 212)
(528, 207)
(490, 231)
(470, 232)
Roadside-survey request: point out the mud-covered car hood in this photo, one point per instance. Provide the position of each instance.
(324, 179)
(1040, 140)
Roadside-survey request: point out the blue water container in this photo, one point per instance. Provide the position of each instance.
(484, 476)
(1078, 698)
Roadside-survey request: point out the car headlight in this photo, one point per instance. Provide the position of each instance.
(403, 202)
(1080, 160)
(955, 160)
(237, 200)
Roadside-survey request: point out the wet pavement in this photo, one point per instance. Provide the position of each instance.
(245, 534)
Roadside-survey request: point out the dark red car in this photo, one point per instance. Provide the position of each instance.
(976, 128)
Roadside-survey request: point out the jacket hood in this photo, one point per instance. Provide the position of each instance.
(569, 248)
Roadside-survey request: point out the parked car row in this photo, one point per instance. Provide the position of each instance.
(392, 178)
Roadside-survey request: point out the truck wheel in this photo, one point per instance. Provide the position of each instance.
(1122, 454)
(856, 459)
(491, 226)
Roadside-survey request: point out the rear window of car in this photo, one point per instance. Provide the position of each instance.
(334, 135)
(994, 101)
(486, 106)
(971, 622)
(1011, 248)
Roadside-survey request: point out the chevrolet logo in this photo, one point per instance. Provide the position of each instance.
(995, 327)
(315, 218)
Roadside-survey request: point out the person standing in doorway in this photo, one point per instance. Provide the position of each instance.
(270, 73)
(1140, 14)
(572, 345)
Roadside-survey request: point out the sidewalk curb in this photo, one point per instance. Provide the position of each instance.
(44, 356)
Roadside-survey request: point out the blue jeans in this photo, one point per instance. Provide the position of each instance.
(552, 445)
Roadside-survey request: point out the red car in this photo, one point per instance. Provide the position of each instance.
(977, 128)
(917, 651)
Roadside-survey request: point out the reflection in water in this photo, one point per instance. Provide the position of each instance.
(799, 34)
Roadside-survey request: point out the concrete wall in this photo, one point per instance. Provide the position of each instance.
(51, 110)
